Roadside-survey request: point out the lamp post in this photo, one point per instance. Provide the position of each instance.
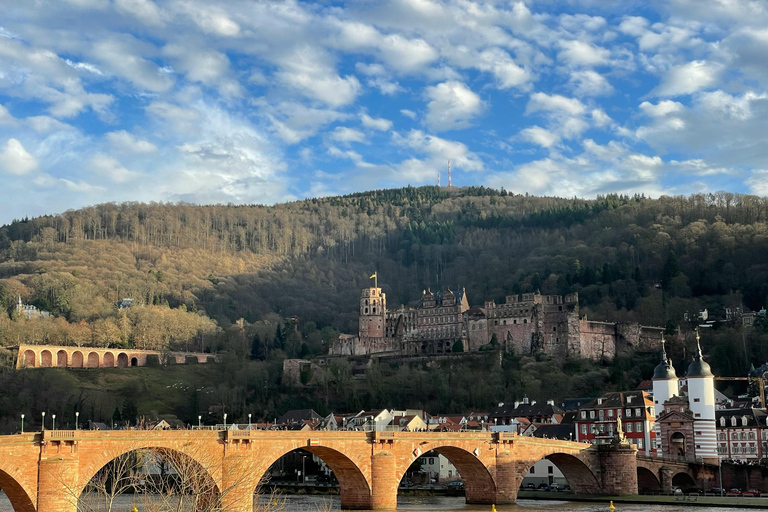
(720, 473)
(22, 423)
(249, 421)
(199, 421)
(43, 420)
(77, 418)
(225, 421)
(303, 472)
(54, 421)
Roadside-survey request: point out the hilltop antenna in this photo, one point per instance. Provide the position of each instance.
(449, 174)
(438, 178)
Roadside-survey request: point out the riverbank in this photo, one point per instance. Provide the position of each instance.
(695, 501)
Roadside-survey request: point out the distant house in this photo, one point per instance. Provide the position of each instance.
(124, 304)
(547, 412)
(297, 417)
(377, 420)
(29, 311)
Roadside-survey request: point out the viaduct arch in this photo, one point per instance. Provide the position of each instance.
(49, 356)
(42, 472)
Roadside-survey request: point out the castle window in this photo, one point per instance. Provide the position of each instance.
(559, 308)
(366, 311)
(514, 321)
(374, 311)
(554, 329)
(504, 322)
(525, 320)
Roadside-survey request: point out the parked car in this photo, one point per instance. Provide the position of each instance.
(405, 483)
(529, 485)
(717, 491)
(457, 485)
(752, 492)
(734, 492)
(542, 486)
(677, 491)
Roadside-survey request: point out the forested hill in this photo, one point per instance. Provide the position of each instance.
(630, 258)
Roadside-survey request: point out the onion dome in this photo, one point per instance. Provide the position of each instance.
(665, 370)
(699, 367)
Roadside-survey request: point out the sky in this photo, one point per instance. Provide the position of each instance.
(265, 102)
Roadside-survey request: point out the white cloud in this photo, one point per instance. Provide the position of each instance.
(452, 106)
(145, 11)
(127, 143)
(540, 136)
(120, 56)
(376, 123)
(211, 19)
(589, 83)
(437, 152)
(347, 135)
(14, 159)
(758, 182)
(6, 117)
(580, 53)
(109, 167)
(541, 101)
(408, 113)
(688, 78)
(662, 108)
(308, 70)
(507, 72)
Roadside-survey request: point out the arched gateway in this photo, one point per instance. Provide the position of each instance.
(43, 471)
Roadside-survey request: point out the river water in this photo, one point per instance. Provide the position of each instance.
(298, 503)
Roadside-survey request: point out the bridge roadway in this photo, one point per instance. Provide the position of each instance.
(47, 471)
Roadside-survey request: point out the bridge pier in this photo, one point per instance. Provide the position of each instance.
(236, 488)
(384, 481)
(506, 481)
(57, 484)
(665, 474)
(618, 469)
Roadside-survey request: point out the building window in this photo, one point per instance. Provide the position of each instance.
(638, 427)
(638, 412)
(697, 399)
(583, 428)
(697, 415)
(592, 414)
(610, 413)
(601, 414)
(550, 470)
(629, 427)
(583, 415)
(640, 443)
(533, 470)
(629, 413)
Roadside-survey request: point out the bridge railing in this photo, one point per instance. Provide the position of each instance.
(59, 435)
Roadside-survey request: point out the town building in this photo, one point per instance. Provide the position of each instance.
(529, 323)
(686, 423)
(742, 434)
(597, 421)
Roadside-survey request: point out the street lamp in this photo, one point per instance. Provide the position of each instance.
(225, 421)
(249, 421)
(199, 421)
(77, 418)
(54, 421)
(303, 472)
(43, 420)
(22, 423)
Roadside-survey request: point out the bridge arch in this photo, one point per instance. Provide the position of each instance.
(109, 360)
(479, 484)
(353, 482)
(579, 476)
(46, 359)
(61, 358)
(683, 481)
(17, 495)
(647, 481)
(200, 470)
(122, 360)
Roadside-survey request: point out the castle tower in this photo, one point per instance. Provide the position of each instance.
(701, 401)
(373, 313)
(665, 386)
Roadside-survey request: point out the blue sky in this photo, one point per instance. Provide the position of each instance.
(263, 102)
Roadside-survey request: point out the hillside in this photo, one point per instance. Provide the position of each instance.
(230, 278)
(248, 267)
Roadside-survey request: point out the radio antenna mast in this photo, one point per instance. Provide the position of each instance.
(449, 174)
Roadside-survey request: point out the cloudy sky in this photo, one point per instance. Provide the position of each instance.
(257, 101)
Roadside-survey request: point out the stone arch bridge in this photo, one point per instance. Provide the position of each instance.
(47, 471)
